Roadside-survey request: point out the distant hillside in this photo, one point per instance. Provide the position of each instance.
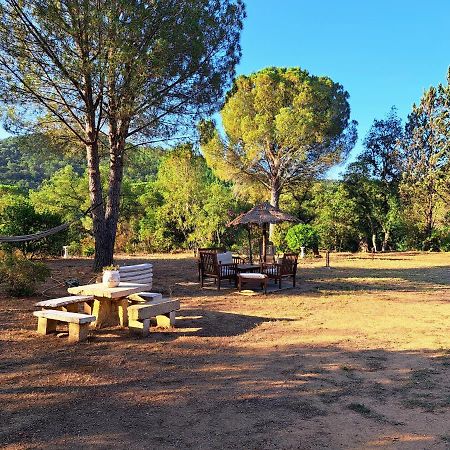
(25, 163)
(26, 166)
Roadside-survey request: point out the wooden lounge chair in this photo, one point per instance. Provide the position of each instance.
(285, 268)
(210, 267)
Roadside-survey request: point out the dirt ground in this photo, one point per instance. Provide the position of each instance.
(356, 357)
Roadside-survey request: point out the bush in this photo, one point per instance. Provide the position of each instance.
(20, 218)
(431, 243)
(445, 239)
(74, 249)
(21, 275)
(302, 236)
(87, 246)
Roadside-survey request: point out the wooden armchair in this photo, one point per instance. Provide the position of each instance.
(200, 250)
(238, 259)
(211, 268)
(285, 268)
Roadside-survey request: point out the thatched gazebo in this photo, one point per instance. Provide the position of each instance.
(263, 215)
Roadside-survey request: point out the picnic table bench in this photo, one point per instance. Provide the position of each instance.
(128, 304)
(71, 303)
(78, 323)
(162, 309)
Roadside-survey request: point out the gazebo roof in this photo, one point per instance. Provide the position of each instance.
(263, 213)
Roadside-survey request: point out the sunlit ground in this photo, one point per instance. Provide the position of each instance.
(358, 356)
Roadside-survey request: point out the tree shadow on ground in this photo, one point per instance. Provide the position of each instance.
(222, 380)
(401, 279)
(174, 395)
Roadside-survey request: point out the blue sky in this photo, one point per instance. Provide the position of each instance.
(383, 52)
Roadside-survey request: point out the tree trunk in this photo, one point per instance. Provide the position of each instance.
(385, 240)
(275, 192)
(116, 151)
(102, 255)
(374, 242)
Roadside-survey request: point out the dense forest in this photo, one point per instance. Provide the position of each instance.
(392, 197)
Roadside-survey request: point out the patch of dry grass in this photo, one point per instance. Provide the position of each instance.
(357, 356)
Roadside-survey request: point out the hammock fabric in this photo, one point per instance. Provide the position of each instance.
(44, 234)
(35, 236)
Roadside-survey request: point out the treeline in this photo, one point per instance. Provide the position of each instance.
(170, 200)
(394, 196)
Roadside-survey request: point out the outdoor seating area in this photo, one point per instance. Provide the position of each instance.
(224, 224)
(97, 306)
(221, 266)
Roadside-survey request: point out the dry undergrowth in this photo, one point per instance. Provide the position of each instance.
(357, 356)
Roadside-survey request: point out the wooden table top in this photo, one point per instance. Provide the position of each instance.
(100, 290)
(248, 266)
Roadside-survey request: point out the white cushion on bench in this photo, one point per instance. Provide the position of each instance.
(225, 258)
(253, 276)
(138, 273)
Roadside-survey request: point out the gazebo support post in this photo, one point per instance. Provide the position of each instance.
(250, 243)
(264, 242)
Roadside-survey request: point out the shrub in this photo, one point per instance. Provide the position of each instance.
(74, 249)
(21, 275)
(87, 246)
(445, 239)
(302, 236)
(431, 243)
(20, 218)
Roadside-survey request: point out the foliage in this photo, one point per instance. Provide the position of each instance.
(20, 218)
(27, 161)
(137, 70)
(110, 267)
(64, 193)
(21, 275)
(444, 238)
(425, 184)
(372, 180)
(282, 125)
(336, 216)
(186, 205)
(302, 235)
(383, 155)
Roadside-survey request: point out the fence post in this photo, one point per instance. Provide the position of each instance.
(327, 260)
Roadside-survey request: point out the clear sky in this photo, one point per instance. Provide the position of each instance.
(383, 52)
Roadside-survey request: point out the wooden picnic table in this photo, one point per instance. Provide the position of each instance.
(110, 304)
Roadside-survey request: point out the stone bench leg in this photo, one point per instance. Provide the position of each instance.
(123, 313)
(142, 328)
(87, 308)
(74, 307)
(78, 332)
(166, 320)
(46, 326)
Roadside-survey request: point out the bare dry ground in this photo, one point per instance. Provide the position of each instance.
(356, 357)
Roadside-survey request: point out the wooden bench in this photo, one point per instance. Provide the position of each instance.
(78, 323)
(163, 310)
(72, 303)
